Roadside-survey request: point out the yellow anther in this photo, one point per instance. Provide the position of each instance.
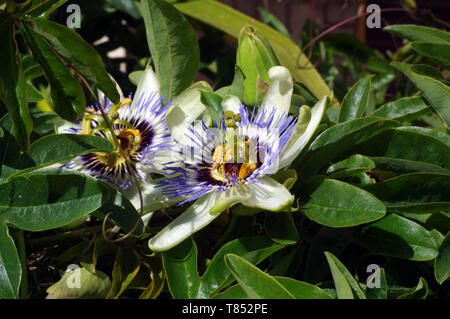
(246, 169)
(124, 102)
(85, 126)
(128, 132)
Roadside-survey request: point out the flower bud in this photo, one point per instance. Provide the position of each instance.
(254, 57)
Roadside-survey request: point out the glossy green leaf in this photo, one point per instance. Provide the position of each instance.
(280, 227)
(434, 91)
(44, 201)
(414, 192)
(10, 268)
(356, 100)
(402, 166)
(255, 283)
(332, 203)
(173, 46)
(125, 269)
(80, 284)
(403, 109)
(299, 289)
(398, 237)
(438, 51)
(339, 138)
(67, 94)
(180, 264)
(408, 144)
(420, 292)
(354, 164)
(79, 53)
(12, 84)
(442, 261)
(231, 21)
(419, 33)
(302, 290)
(254, 249)
(346, 286)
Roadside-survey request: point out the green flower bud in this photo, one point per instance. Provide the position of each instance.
(254, 57)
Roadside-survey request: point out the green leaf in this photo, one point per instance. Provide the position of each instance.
(402, 166)
(280, 227)
(302, 290)
(419, 33)
(125, 269)
(434, 91)
(346, 286)
(231, 22)
(255, 283)
(356, 100)
(127, 6)
(381, 291)
(180, 264)
(67, 94)
(403, 109)
(39, 8)
(420, 292)
(414, 192)
(406, 143)
(339, 138)
(52, 149)
(91, 285)
(354, 164)
(10, 268)
(273, 21)
(437, 51)
(79, 53)
(173, 46)
(44, 201)
(12, 84)
(254, 249)
(340, 209)
(442, 261)
(398, 237)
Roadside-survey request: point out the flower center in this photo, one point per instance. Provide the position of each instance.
(232, 162)
(129, 141)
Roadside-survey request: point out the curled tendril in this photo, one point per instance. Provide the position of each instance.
(115, 231)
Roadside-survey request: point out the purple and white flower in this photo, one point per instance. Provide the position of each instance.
(232, 164)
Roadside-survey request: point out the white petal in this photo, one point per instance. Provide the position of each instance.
(268, 195)
(148, 84)
(62, 126)
(151, 195)
(280, 91)
(231, 103)
(185, 108)
(229, 198)
(190, 221)
(292, 151)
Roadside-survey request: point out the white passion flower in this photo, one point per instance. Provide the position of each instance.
(232, 162)
(140, 128)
